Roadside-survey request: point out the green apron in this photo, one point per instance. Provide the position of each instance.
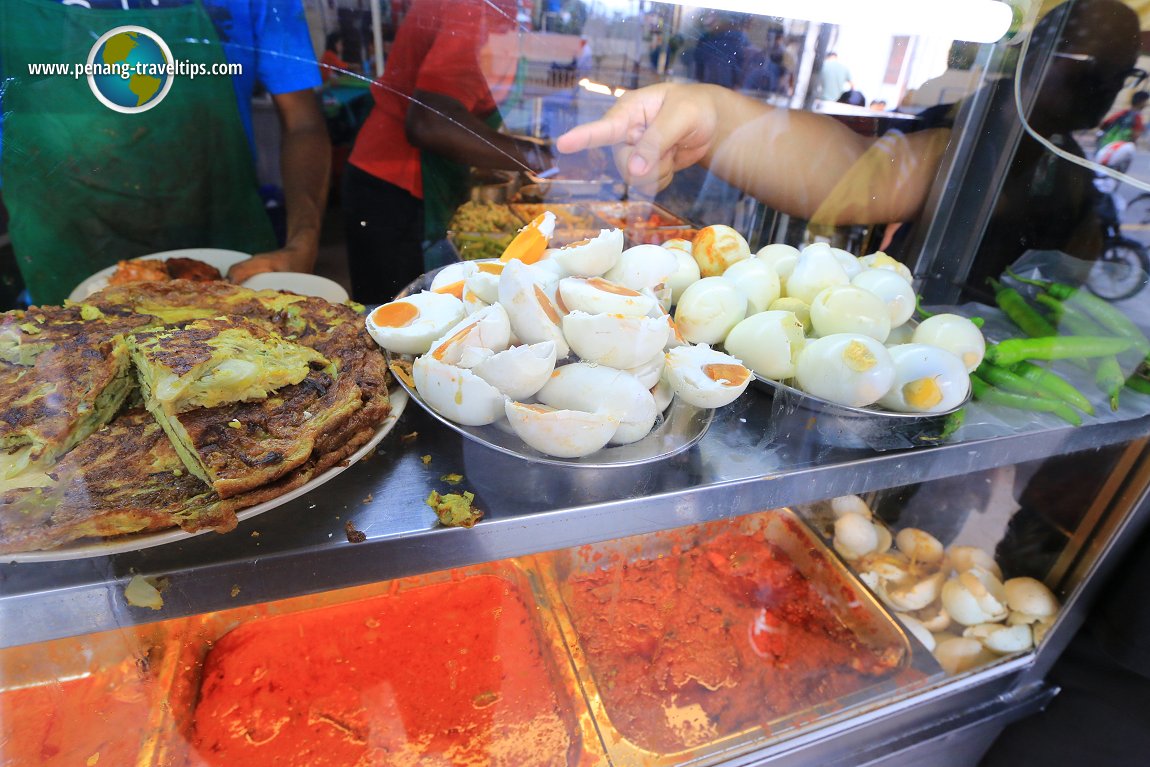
(87, 186)
(445, 188)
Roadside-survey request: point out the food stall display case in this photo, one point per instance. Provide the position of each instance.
(699, 606)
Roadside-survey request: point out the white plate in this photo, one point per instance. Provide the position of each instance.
(221, 259)
(301, 283)
(122, 544)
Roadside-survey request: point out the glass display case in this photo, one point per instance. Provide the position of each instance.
(307, 551)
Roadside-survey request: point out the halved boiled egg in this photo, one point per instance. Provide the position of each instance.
(530, 306)
(489, 328)
(706, 377)
(716, 247)
(456, 393)
(531, 241)
(599, 388)
(880, 260)
(561, 433)
(483, 279)
(614, 340)
(589, 258)
(520, 371)
(649, 372)
(708, 309)
(847, 309)
(450, 279)
(956, 334)
(927, 379)
(848, 368)
(895, 292)
(410, 325)
(755, 280)
(817, 268)
(596, 295)
(643, 266)
(768, 343)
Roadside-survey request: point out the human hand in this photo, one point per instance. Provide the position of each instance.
(654, 131)
(290, 258)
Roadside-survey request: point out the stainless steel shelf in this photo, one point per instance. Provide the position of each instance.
(301, 547)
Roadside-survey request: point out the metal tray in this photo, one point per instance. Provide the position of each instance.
(585, 749)
(851, 603)
(99, 697)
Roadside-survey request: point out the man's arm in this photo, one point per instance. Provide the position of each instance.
(804, 164)
(305, 165)
(443, 125)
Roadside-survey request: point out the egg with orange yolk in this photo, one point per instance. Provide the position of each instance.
(530, 243)
(582, 386)
(846, 368)
(456, 393)
(613, 339)
(596, 295)
(483, 280)
(927, 379)
(529, 300)
(411, 324)
(591, 257)
(451, 278)
(560, 433)
(520, 371)
(489, 328)
(643, 266)
(706, 377)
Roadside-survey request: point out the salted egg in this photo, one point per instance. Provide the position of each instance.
(520, 371)
(599, 388)
(456, 393)
(561, 433)
(686, 270)
(613, 339)
(596, 295)
(706, 377)
(592, 257)
(847, 368)
(489, 328)
(410, 325)
(782, 258)
(524, 294)
(483, 280)
(643, 266)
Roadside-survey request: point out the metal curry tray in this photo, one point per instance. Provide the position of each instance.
(492, 647)
(677, 673)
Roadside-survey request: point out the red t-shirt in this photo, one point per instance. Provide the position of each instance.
(331, 65)
(441, 47)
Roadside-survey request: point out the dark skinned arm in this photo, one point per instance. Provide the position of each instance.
(305, 164)
(442, 125)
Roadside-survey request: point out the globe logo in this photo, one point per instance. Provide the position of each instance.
(130, 69)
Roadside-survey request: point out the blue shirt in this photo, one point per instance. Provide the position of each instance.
(268, 38)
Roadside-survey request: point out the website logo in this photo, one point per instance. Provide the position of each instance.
(130, 69)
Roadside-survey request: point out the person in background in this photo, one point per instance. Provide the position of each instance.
(852, 97)
(721, 51)
(102, 186)
(878, 105)
(834, 78)
(331, 63)
(1118, 134)
(435, 113)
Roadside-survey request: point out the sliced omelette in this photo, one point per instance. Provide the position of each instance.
(72, 389)
(25, 334)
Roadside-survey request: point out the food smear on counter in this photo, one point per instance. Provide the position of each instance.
(713, 640)
(65, 723)
(454, 509)
(447, 674)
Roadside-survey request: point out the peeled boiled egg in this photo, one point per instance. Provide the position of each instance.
(716, 247)
(410, 325)
(705, 377)
(927, 379)
(450, 279)
(782, 258)
(847, 309)
(489, 328)
(643, 266)
(520, 371)
(801, 309)
(456, 393)
(956, 334)
(524, 294)
(768, 343)
(472, 302)
(848, 261)
(686, 271)
(895, 292)
(561, 433)
(614, 340)
(596, 295)
(592, 257)
(755, 280)
(530, 243)
(483, 280)
(847, 368)
(880, 260)
(650, 371)
(602, 389)
(708, 309)
(817, 268)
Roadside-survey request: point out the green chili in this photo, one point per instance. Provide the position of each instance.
(1110, 379)
(1008, 380)
(978, 322)
(1015, 306)
(1012, 350)
(1053, 384)
(984, 392)
(1138, 383)
(1071, 317)
(952, 424)
(1108, 315)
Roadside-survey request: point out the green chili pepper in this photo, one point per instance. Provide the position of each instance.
(1015, 306)
(1006, 353)
(978, 322)
(1053, 384)
(952, 424)
(1110, 379)
(984, 392)
(1008, 380)
(1074, 319)
(1138, 383)
(1108, 315)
